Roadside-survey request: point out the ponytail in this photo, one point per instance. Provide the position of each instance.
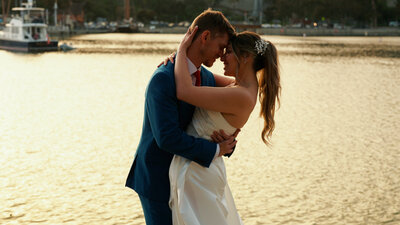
(269, 89)
(266, 63)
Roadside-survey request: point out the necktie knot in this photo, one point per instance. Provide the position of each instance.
(198, 78)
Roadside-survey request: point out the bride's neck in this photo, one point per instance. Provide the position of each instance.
(246, 76)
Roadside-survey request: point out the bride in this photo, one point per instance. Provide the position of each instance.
(199, 195)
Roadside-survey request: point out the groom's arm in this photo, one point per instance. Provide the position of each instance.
(162, 108)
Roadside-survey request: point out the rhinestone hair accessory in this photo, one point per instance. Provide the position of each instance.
(261, 46)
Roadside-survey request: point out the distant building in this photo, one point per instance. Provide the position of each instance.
(77, 13)
(251, 10)
(240, 5)
(74, 16)
(257, 9)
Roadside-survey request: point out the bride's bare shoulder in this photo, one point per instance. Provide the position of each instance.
(245, 96)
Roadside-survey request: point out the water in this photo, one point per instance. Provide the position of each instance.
(70, 124)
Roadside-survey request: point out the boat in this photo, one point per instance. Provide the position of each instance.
(127, 25)
(27, 31)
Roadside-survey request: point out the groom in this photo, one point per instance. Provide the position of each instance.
(166, 119)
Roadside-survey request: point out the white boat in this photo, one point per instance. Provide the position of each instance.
(27, 31)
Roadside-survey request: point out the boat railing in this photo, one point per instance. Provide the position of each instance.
(29, 15)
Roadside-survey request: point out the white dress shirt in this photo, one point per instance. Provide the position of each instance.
(192, 70)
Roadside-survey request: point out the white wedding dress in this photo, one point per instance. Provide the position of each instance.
(200, 195)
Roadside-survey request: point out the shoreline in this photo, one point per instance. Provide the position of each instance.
(330, 32)
(384, 31)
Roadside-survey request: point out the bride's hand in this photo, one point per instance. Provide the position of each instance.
(187, 39)
(169, 58)
(185, 43)
(227, 146)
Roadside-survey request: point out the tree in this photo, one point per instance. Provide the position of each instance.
(359, 13)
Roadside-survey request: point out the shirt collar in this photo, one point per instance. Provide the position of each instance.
(192, 67)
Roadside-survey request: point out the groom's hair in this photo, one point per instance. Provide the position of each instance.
(214, 21)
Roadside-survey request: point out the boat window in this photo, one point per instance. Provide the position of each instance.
(26, 34)
(37, 19)
(14, 30)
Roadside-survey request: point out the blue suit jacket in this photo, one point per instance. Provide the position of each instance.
(163, 135)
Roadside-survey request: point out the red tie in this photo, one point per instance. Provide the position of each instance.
(198, 78)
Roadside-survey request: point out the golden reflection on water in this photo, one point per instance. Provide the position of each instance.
(70, 124)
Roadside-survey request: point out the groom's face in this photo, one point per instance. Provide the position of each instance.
(214, 48)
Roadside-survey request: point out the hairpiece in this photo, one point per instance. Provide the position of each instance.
(261, 46)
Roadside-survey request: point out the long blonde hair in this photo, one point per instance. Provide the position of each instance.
(266, 63)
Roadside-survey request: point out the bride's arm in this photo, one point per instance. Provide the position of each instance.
(222, 81)
(221, 99)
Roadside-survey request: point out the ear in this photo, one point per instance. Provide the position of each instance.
(246, 57)
(205, 36)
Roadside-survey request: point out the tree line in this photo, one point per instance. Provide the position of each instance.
(360, 13)
(349, 12)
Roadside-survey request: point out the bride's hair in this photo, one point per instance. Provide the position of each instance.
(266, 64)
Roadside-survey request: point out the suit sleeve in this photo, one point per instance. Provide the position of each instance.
(162, 108)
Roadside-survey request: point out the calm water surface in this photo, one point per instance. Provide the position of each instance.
(70, 124)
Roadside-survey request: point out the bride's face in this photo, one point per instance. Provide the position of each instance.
(230, 61)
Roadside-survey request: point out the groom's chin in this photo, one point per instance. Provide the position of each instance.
(208, 64)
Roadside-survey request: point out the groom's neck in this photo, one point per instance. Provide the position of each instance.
(193, 54)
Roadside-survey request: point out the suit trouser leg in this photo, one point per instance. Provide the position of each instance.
(156, 213)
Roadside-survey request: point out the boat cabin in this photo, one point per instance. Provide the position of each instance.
(27, 24)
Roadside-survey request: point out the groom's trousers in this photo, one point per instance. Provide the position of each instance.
(156, 213)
